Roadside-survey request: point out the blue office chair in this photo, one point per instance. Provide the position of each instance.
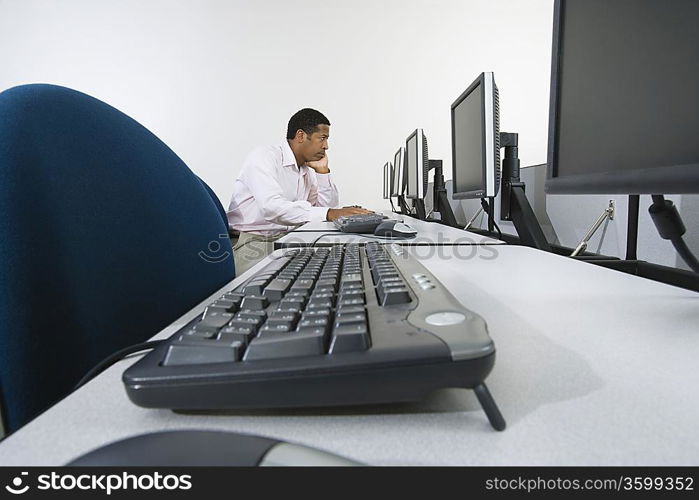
(106, 237)
(216, 202)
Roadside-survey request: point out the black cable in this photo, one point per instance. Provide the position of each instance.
(321, 236)
(686, 254)
(632, 228)
(117, 356)
(491, 218)
(370, 236)
(287, 253)
(669, 224)
(292, 253)
(498, 229)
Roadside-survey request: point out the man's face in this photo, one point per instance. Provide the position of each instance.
(314, 145)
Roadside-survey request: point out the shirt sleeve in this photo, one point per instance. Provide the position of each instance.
(259, 175)
(323, 192)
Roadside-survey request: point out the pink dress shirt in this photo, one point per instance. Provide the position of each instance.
(273, 194)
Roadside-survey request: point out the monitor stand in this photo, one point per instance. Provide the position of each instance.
(514, 205)
(420, 209)
(403, 206)
(441, 200)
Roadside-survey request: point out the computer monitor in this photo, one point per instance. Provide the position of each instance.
(387, 180)
(475, 140)
(416, 165)
(624, 110)
(398, 173)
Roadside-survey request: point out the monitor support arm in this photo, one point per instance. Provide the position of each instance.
(441, 200)
(402, 205)
(420, 211)
(514, 205)
(607, 214)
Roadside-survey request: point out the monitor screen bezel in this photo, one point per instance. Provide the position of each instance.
(398, 185)
(420, 167)
(489, 178)
(387, 180)
(669, 179)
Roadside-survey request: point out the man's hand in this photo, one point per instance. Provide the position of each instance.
(320, 166)
(334, 213)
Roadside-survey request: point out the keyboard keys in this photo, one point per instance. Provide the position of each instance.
(215, 318)
(352, 278)
(330, 283)
(278, 327)
(234, 297)
(351, 301)
(192, 352)
(350, 309)
(255, 287)
(214, 309)
(284, 316)
(276, 289)
(254, 302)
(320, 322)
(320, 311)
(345, 317)
(253, 323)
(303, 284)
(351, 294)
(204, 332)
(227, 305)
(314, 304)
(241, 333)
(397, 295)
(292, 302)
(285, 345)
(280, 324)
(349, 337)
(287, 309)
(257, 316)
(319, 303)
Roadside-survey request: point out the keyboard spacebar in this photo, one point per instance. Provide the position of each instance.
(273, 345)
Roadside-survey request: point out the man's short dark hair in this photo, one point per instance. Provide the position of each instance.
(307, 120)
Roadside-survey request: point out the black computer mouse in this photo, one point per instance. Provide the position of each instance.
(395, 229)
(206, 448)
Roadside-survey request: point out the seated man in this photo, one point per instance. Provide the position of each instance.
(282, 186)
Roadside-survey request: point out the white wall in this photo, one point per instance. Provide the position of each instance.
(214, 78)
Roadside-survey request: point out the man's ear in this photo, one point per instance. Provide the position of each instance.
(300, 136)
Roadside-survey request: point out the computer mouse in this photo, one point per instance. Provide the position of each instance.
(206, 448)
(395, 229)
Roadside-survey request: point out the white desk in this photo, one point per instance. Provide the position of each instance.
(593, 367)
(322, 226)
(429, 234)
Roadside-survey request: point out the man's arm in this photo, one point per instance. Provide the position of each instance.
(323, 193)
(260, 176)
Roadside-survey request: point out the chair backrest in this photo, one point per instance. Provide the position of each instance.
(215, 201)
(106, 237)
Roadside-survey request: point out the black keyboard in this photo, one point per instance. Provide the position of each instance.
(344, 325)
(359, 223)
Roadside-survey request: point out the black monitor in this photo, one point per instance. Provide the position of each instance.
(416, 165)
(624, 113)
(624, 110)
(475, 140)
(398, 173)
(387, 180)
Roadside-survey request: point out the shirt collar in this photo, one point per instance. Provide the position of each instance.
(289, 160)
